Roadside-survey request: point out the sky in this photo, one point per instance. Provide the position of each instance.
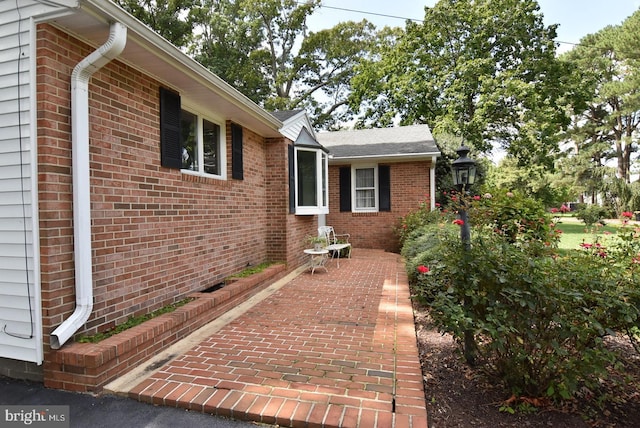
(576, 18)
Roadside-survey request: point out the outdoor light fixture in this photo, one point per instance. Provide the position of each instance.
(463, 169)
(464, 175)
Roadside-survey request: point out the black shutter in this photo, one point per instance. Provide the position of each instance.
(292, 180)
(237, 168)
(345, 188)
(384, 190)
(170, 144)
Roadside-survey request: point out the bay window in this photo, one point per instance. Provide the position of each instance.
(308, 176)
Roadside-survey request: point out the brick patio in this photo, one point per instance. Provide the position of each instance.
(335, 349)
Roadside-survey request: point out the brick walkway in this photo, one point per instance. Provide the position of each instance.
(335, 349)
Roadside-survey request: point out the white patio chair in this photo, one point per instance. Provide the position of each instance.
(335, 242)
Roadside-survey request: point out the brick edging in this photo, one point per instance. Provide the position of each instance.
(88, 367)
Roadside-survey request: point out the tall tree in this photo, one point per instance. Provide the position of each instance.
(169, 18)
(308, 70)
(586, 146)
(264, 49)
(610, 72)
(324, 68)
(482, 69)
(229, 44)
(283, 23)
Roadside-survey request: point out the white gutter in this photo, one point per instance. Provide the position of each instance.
(81, 180)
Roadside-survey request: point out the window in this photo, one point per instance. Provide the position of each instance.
(201, 148)
(306, 172)
(308, 176)
(311, 181)
(365, 188)
(189, 141)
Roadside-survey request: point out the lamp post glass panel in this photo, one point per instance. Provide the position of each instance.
(464, 176)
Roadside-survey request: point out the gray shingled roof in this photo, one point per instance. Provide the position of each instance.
(381, 142)
(284, 114)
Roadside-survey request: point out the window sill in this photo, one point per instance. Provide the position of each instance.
(191, 177)
(311, 210)
(203, 175)
(364, 213)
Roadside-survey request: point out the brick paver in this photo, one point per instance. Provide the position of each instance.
(335, 349)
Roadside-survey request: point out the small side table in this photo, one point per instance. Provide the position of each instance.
(318, 259)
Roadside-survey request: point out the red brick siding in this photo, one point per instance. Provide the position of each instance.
(88, 367)
(158, 234)
(410, 184)
(287, 232)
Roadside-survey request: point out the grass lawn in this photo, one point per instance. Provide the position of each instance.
(574, 232)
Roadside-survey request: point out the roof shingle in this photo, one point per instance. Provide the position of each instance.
(399, 141)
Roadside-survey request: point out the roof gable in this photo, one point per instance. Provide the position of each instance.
(293, 122)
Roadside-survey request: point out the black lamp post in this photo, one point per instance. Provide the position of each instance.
(464, 176)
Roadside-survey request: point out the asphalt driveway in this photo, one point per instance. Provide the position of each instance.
(108, 411)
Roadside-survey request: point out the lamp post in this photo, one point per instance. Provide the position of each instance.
(464, 176)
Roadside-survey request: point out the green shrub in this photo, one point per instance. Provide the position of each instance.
(535, 320)
(425, 249)
(623, 247)
(417, 219)
(514, 215)
(591, 214)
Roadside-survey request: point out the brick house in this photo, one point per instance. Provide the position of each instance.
(377, 176)
(131, 177)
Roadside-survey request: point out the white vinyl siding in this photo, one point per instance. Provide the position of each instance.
(20, 308)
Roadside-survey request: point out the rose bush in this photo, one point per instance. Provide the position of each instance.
(537, 319)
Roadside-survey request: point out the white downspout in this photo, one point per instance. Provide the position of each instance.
(432, 182)
(81, 185)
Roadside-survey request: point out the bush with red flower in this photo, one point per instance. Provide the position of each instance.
(423, 215)
(537, 317)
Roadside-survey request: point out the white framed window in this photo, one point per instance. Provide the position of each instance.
(203, 147)
(311, 181)
(365, 188)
